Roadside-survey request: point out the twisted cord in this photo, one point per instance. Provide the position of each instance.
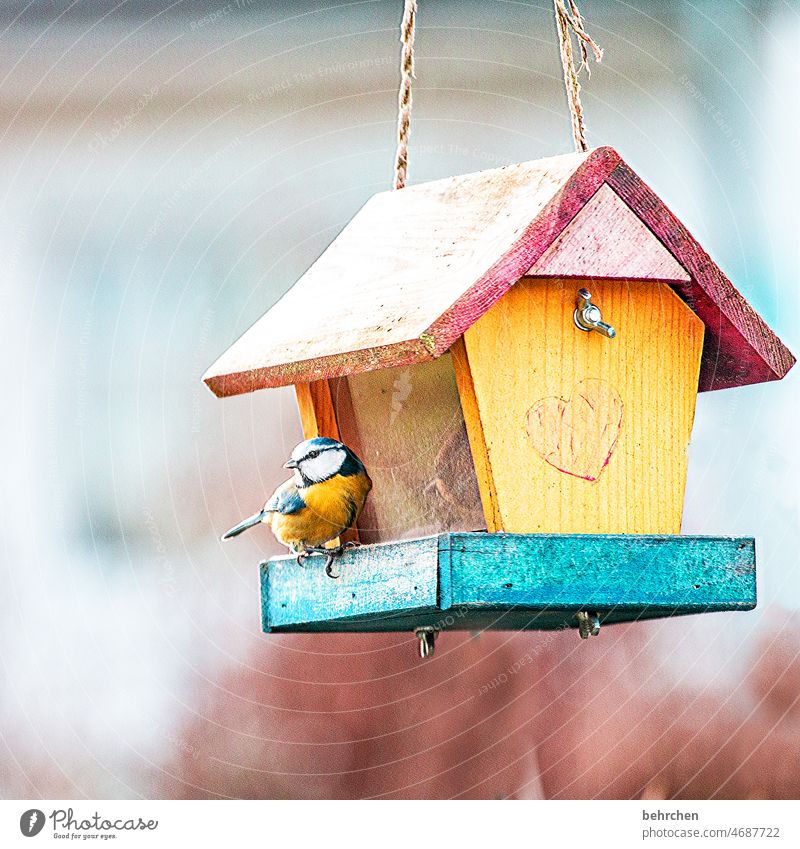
(569, 21)
(404, 96)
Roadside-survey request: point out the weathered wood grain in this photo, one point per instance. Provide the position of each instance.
(375, 302)
(415, 269)
(510, 581)
(606, 239)
(407, 580)
(605, 572)
(585, 433)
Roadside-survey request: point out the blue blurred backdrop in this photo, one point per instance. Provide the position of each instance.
(169, 170)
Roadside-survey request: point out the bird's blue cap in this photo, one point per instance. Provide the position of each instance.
(320, 442)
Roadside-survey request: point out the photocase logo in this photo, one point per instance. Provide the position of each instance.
(31, 822)
(65, 825)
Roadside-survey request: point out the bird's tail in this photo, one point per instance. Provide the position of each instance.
(243, 526)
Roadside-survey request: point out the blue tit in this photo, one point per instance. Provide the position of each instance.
(323, 498)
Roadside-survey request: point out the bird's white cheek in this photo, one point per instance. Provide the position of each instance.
(325, 466)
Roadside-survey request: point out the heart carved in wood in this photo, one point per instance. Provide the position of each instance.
(578, 435)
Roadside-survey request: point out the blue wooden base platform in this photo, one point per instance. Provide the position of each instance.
(508, 581)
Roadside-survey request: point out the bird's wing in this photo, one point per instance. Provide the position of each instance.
(286, 499)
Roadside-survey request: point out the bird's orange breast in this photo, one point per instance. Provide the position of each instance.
(331, 508)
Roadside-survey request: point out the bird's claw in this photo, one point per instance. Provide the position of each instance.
(330, 553)
(333, 553)
(303, 555)
(329, 566)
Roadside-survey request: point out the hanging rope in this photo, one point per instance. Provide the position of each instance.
(404, 97)
(569, 21)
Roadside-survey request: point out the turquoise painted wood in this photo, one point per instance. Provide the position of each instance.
(509, 581)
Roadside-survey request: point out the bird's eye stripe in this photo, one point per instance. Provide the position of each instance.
(312, 455)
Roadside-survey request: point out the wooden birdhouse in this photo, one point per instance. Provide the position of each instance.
(515, 355)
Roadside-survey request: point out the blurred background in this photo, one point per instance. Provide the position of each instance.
(168, 171)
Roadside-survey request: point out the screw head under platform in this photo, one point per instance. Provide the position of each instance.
(427, 640)
(588, 624)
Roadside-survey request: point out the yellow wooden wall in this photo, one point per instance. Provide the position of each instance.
(573, 432)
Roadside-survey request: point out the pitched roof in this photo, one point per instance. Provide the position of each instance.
(417, 267)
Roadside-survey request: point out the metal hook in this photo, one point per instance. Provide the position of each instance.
(588, 624)
(427, 640)
(587, 316)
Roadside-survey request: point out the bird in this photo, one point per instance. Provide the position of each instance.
(323, 498)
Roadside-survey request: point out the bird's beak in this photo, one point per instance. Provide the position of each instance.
(290, 464)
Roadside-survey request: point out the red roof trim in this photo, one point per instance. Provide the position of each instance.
(739, 347)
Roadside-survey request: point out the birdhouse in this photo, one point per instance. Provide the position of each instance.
(515, 355)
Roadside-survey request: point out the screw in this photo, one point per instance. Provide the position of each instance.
(587, 316)
(427, 641)
(588, 624)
